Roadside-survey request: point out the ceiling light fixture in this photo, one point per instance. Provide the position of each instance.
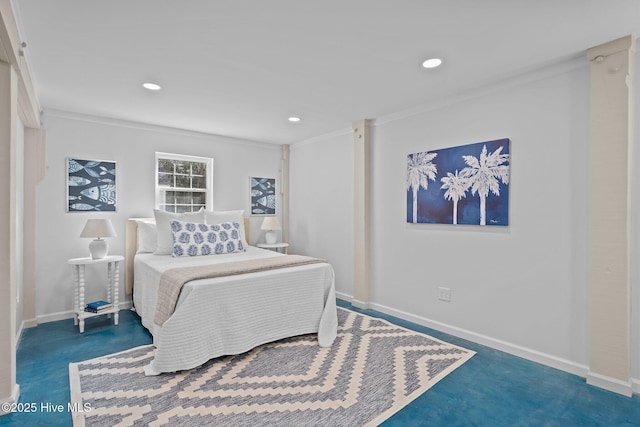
(151, 86)
(432, 63)
(294, 119)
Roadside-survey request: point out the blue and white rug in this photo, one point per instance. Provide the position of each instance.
(373, 369)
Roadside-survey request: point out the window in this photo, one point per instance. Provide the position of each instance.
(183, 183)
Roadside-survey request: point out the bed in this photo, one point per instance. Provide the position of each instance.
(227, 315)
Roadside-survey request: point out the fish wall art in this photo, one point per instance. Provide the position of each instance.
(263, 196)
(91, 185)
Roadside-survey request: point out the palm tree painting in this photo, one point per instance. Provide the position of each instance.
(420, 169)
(474, 185)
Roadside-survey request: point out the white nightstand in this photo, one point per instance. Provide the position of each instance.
(275, 246)
(113, 282)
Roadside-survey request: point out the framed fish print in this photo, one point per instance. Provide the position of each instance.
(263, 196)
(91, 185)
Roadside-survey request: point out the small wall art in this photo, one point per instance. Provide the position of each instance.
(263, 196)
(91, 185)
(468, 184)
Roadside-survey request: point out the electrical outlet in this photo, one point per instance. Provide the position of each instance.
(444, 294)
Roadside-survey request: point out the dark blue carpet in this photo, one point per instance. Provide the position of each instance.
(43, 358)
(491, 389)
(496, 389)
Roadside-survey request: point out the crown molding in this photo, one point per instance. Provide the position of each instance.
(52, 112)
(12, 52)
(505, 82)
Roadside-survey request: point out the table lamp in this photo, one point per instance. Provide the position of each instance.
(270, 224)
(98, 228)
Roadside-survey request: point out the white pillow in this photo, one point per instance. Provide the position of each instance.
(191, 239)
(147, 237)
(218, 217)
(164, 244)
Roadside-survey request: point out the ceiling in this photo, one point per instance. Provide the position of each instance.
(240, 68)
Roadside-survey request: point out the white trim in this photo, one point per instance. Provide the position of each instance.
(323, 137)
(19, 333)
(54, 317)
(624, 388)
(208, 161)
(64, 315)
(15, 395)
(513, 349)
(541, 71)
(52, 112)
(30, 323)
(344, 297)
(360, 304)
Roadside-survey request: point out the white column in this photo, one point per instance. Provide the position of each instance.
(34, 172)
(361, 209)
(9, 390)
(611, 136)
(284, 191)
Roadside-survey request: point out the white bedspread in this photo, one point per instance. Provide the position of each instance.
(231, 315)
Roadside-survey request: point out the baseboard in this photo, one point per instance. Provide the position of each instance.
(516, 350)
(611, 384)
(63, 315)
(15, 395)
(54, 317)
(343, 296)
(360, 304)
(19, 333)
(354, 302)
(513, 349)
(30, 323)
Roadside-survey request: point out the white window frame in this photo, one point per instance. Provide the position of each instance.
(160, 190)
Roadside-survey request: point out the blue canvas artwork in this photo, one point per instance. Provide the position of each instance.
(91, 186)
(468, 184)
(263, 196)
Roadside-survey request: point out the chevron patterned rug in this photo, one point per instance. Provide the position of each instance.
(373, 369)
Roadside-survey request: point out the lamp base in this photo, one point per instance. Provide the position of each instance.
(98, 249)
(270, 237)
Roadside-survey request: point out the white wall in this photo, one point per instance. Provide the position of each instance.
(523, 286)
(321, 203)
(132, 146)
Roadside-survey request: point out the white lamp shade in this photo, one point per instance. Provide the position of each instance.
(98, 228)
(270, 223)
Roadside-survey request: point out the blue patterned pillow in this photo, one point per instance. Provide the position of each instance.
(193, 239)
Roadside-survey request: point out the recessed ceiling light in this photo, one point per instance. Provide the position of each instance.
(151, 86)
(294, 119)
(432, 63)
